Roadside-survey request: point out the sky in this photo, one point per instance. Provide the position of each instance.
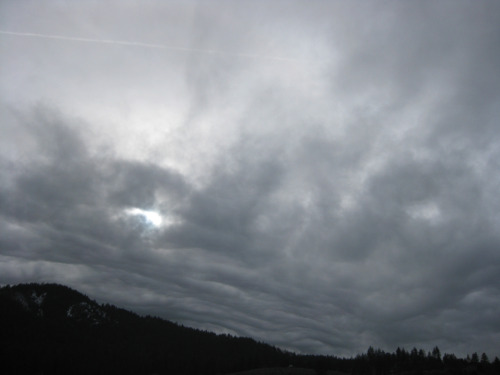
(322, 176)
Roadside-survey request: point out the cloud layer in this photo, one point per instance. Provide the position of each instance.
(342, 196)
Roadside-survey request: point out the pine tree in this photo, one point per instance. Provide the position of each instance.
(436, 353)
(484, 359)
(474, 359)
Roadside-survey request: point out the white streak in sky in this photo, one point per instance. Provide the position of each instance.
(148, 45)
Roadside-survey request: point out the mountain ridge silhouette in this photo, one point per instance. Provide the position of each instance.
(54, 329)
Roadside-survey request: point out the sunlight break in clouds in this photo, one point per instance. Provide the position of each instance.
(151, 217)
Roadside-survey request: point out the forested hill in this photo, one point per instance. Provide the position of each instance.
(52, 329)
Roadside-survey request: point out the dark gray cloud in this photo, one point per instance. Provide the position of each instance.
(327, 173)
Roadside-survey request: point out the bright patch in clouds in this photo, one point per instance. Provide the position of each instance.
(152, 217)
(427, 211)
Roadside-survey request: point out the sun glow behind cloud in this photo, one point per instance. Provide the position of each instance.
(153, 218)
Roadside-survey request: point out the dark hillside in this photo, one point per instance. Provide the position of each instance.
(53, 329)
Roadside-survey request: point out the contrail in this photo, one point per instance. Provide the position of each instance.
(149, 45)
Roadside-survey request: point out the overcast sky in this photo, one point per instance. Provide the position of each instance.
(326, 174)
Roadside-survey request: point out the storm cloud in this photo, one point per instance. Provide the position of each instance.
(327, 173)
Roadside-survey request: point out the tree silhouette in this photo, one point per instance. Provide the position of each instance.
(484, 359)
(474, 359)
(436, 353)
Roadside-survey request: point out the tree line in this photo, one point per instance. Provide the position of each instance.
(52, 329)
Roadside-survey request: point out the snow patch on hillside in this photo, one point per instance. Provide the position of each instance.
(22, 300)
(38, 299)
(83, 311)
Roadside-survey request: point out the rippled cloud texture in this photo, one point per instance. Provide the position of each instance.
(327, 173)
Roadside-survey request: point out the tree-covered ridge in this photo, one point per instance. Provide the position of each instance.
(53, 329)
